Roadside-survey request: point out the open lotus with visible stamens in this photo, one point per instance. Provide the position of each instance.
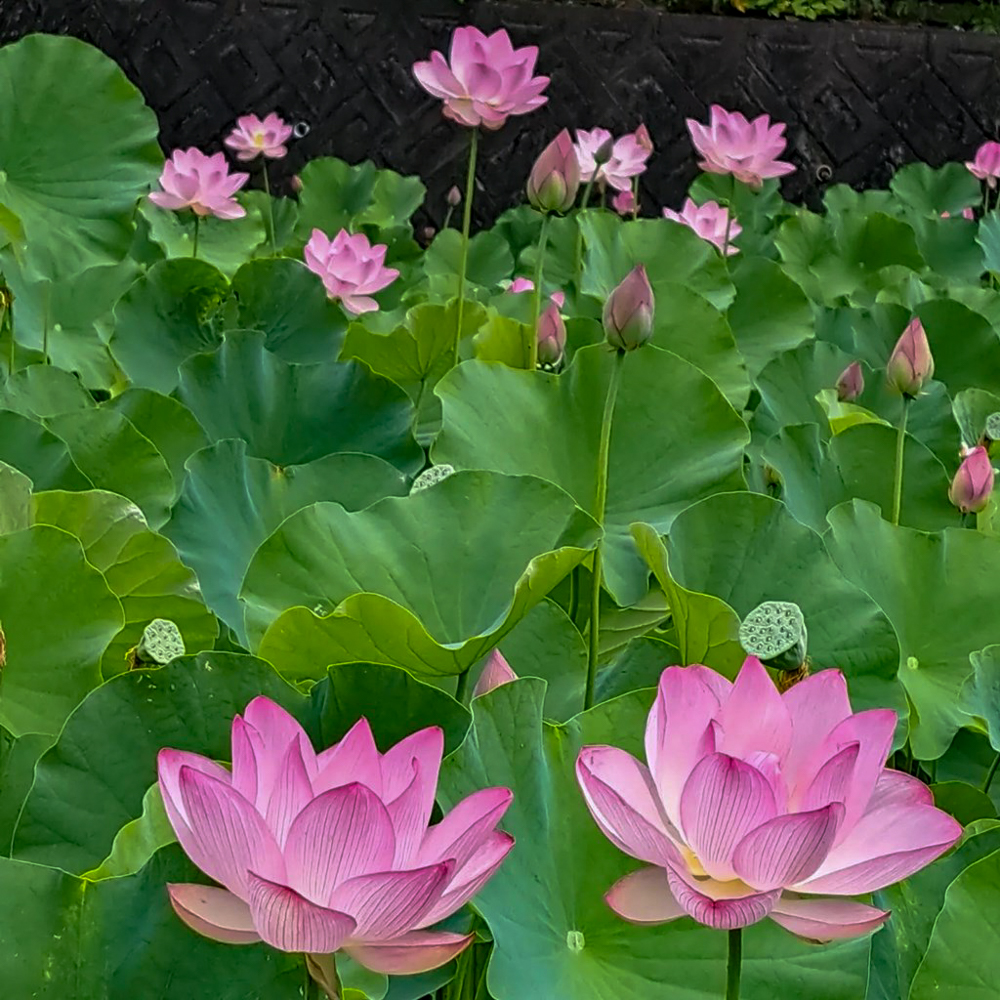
(754, 803)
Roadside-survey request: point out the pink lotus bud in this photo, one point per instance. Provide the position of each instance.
(555, 177)
(851, 383)
(628, 312)
(605, 150)
(911, 363)
(496, 672)
(624, 203)
(551, 335)
(520, 284)
(973, 483)
(295, 183)
(454, 196)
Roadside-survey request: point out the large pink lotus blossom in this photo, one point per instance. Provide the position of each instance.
(351, 268)
(730, 144)
(614, 163)
(710, 221)
(487, 81)
(986, 164)
(753, 802)
(190, 179)
(321, 852)
(253, 137)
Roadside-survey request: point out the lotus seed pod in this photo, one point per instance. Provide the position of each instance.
(993, 427)
(430, 477)
(775, 632)
(161, 642)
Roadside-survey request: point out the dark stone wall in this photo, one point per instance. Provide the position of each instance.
(859, 100)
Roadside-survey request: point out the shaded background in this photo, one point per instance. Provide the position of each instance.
(859, 100)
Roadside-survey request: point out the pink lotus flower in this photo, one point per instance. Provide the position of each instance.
(322, 852)
(496, 672)
(624, 203)
(252, 137)
(627, 158)
(520, 285)
(711, 222)
(851, 383)
(911, 363)
(555, 177)
(190, 179)
(351, 268)
(488, 79)
(972, 487)
(730, 144)
(966, 213)
(986, 165)
(749, 794)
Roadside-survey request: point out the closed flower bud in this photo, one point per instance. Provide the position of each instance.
(851, 383)
(551, 335)
(604, 152)
(972, 486)
(628, 313)
(454, 197)
(555, 178)
(496, 672)
(911, 364)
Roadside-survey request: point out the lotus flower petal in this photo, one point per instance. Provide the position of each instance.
(411, 954)
(645, 897)
(827, 919)
(214, 913)
(288, 921)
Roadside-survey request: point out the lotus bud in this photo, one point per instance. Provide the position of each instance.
(551, 335)
(851, 383)
(605, 151)
(454, 196)
(911, 363)
(992, 432)
(972, 486)
(295, 183)
(555, 178)
(161, 643)
(496, 672)
(429, 477)
(628, 312)
(775, 632)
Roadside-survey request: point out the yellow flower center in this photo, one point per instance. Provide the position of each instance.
(258, 139)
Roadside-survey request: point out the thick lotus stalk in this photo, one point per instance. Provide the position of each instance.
(775, 632)
(972, 487)
(555, 177)
(628, 312)
(160, 644)
(851, 383)
(496, 672)
(430, 477)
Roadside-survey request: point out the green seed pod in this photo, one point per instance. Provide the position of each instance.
(993, 427)
(775, 632)
(430, 477)
(161, 642)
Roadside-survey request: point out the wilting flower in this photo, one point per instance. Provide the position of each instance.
(710, 221)
(730, 144)
(555, 177)
(351, 268)
(851, 383)
(488, 79)
(911, 363)
(190, 179)
(986, 165)
(612, 161)
(322, 852)
(252, 137)
(972, 486)
(496, 672)
(628, 312)
(624, 203)
(749, 795)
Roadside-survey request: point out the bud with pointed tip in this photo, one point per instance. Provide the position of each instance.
(972, 486)
(551, 335)
(454, 196)
(851, 383)
(911, 363)
(628, 313)
(555, 178)
(605, 151)
(496, 672)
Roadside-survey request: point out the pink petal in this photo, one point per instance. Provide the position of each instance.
(833, 783)
(272, 730)
(342, 833)
(463, 830)
(358, 304)
(426, 746)
(894, 788)
(816, 704)
(354, 759)
(825, 920)
(723, 800)
(169, 763)
(292, 793)
(645, 897)
(787, 849)
(413, 953)
(496, 673)
(244, 777)
(435, 76)
(290, 922)
(214, 913)
(754, 717)
(410, 814)
(717, 904)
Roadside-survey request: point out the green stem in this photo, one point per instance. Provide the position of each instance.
(574, 594)
(270, 211)
(447, 217)
(3, 317)
(462, 687)
(578, 259)
(603, 457)
(322, 978)
(729, 216)
(990, 773)
(470, 184)
(197, 229)
(45, 323)
(897, 489)
(635, 198)
(536, 311)
(734, 964)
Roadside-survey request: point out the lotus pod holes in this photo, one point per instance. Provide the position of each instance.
(992, 431)
(775, 632)
(431, 477)
(161, 643)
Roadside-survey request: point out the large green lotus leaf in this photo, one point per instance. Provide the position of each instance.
(489, 262)
(964, 343)
(639, 664)
(674, 439)
(59, 616)
(984, 690)
(950, 248)
(170, 425)
(121, 938)
(430, 582)
(989, 239)
(138, 840)
(810, 256)
(68, 185)
(933, 588)
(291, 414)
(231, 502)
(706, 628)
(40, 391)
(86, 788)
(116, 457)
(141, 567)
(670, 253)
(15, 500)
(933, 190)
(165, 318)
(771, 313)
(746, 548)
(44, 458)
(971, 408)
(17, 771)
(548, 904)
